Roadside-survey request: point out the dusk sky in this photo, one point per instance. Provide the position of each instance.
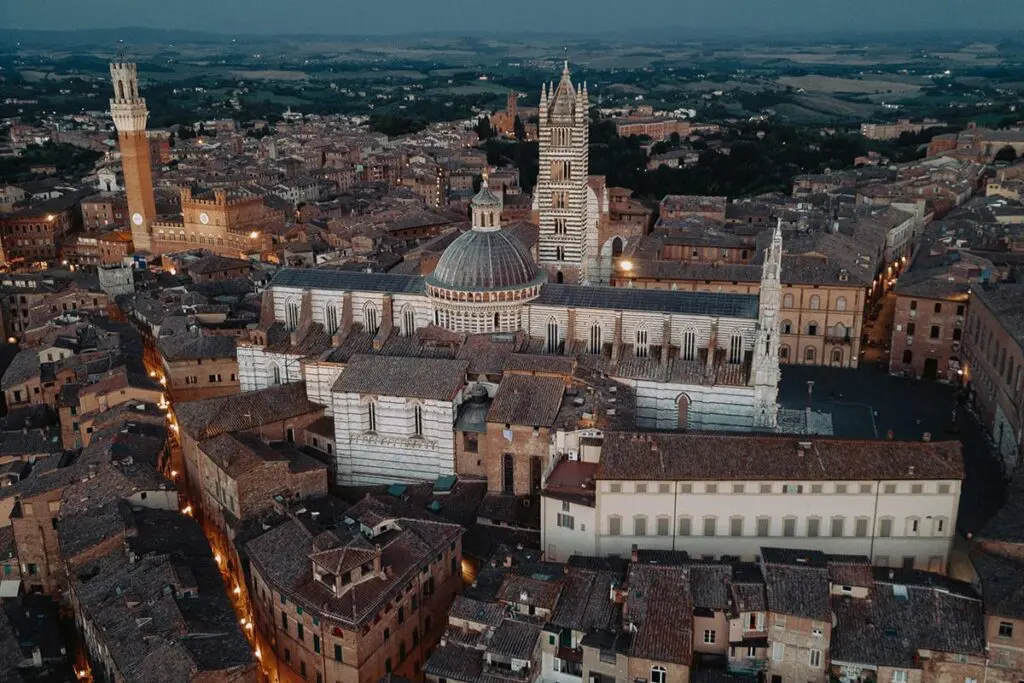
(348, 17)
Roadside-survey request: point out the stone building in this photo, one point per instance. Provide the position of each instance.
(896, 502)
(354, 596)
(994, 365)
(928, 325)
(196, 364)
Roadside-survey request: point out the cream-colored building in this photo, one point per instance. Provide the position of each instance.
(714, 495)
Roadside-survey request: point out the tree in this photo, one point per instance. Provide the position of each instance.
(673, 139)
(519, 128)
(1007, 154)
(483, 128)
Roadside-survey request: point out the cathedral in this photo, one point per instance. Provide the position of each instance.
(396, 359)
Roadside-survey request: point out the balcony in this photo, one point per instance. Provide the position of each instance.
(838, 338)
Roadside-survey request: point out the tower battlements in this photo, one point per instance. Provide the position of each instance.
(220, 199)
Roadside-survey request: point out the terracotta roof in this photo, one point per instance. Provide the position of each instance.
(424, 378)
(659, 607)
(529, 591)
(910, 612)
(527, 400)
(715, 457)
(213, 416)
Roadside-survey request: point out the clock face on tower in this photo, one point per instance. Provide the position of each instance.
(137, 218)
(204, 218)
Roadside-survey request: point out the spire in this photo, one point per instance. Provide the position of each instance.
(565, 68)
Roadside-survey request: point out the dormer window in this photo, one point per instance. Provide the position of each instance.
(346, 578)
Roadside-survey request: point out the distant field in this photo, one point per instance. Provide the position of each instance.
(470, 88)
(271, 75)
(831, 84)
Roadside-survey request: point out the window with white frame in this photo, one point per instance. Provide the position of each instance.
(814, 659)
(595, 338)
(331, 318)
(370, 321)
(899, 676)
(552, 338)
(408, 322)
(642, 347)
(689, 349)
(779, 652)
(709, 636)
(371, 416)
(417, 420)
(735, 349)
(292, 315)
(658, 674)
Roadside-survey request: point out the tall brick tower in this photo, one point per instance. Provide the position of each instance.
(129, 113)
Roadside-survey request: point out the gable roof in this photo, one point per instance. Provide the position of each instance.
(424, 378)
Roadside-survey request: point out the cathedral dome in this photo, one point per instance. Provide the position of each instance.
(484, 260)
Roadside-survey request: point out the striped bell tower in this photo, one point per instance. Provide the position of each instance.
(129, 113)
(560, 197)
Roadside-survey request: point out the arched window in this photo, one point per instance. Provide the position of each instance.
(841, 303)
(616, 247)
(331, 318)
(595, 338)
(370, 323)
(787, 327)
(417, 420)
(559, 255)
(120, 89)
(552, 338)
(908, 356)
(291, 312)
(437, 318)
(658, 674)
(837, 356)
(839, 331)
(642, 348)
(735, 349)
(497, 321)
(783, 353)
(787, 301)
(409, 321)
(683, 411)
(371, 416)
(275, 373)
(815, 302)
(559, 278)
(689, 350)
(812, 328)
(809, 354)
